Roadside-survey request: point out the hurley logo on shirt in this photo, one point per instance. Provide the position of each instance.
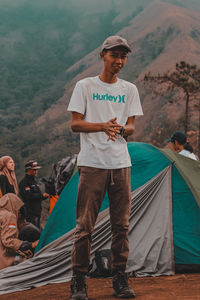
(118, 98)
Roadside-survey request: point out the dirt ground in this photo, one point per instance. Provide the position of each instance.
(178, 287)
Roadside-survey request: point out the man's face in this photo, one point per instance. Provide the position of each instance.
(32, 172)
(114, 59)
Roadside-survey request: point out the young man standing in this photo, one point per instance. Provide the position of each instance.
(103, 111)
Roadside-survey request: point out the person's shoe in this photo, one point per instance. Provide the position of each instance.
(121, 287)
(78, 288)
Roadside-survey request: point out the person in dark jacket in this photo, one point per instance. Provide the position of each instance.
(31, 194)
(8, 181)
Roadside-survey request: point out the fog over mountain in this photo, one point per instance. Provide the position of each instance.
(47, 45)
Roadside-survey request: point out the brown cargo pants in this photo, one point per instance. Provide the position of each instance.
(93, 184)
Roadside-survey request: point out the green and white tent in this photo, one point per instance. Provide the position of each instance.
(164, 223)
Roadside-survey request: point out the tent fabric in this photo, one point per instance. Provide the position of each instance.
(51, 263)
(147, 161)
(189, 169)
(186, 211)
(63, 218)
(150, 236)
(186, 225)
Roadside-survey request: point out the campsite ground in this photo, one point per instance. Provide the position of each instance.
(178, 287)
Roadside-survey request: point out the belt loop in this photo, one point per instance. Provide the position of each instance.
(111, 178)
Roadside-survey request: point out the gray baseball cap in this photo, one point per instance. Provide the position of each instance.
(114, 41)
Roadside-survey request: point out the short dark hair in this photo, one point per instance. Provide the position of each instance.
(188, 147)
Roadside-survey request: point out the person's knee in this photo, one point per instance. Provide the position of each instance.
(29, 232)
(120, 229)
(82, 234)
(84, 228)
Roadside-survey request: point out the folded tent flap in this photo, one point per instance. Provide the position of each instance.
(189, 169)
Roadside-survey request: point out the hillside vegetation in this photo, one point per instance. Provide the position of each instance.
(46, 46)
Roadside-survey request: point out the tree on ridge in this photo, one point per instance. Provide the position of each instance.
(186, 79)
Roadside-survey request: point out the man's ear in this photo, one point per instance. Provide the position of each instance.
(102, 53)
(176, 144)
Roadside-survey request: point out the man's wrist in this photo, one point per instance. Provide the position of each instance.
(122, 131)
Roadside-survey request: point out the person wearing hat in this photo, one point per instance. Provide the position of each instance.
(103, 111)
(178, 143)
(31, 194)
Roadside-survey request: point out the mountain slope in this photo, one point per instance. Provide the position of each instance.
(161, 34)
(168, 35)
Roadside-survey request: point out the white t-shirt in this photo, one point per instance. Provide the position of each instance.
(188, 154)
(100, 102)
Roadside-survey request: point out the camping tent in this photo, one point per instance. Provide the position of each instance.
(164, 223)
(147, 162)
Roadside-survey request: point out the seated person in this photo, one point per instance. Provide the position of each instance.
(12, 249)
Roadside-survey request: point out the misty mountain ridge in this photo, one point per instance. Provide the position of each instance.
(157, 46)
(160, 35)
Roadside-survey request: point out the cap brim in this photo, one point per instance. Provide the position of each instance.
(117, 45)
(36, 168)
